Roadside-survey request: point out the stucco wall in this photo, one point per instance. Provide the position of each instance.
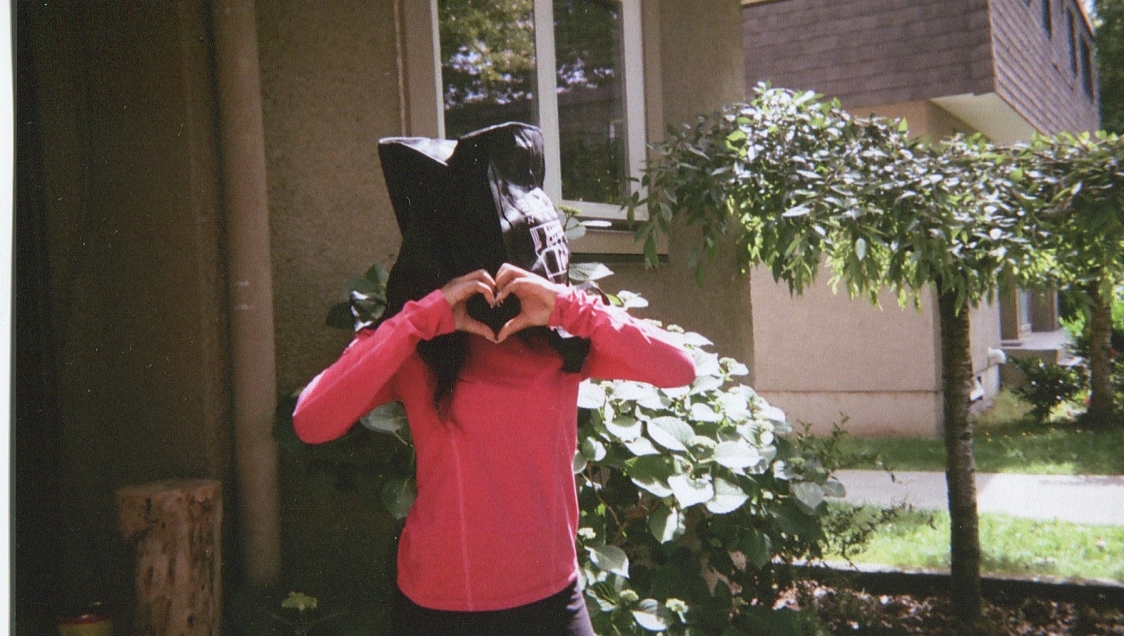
(823, 356)
(329, 91)
(693, 79)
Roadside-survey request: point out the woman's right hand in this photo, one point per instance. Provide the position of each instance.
(460, 289)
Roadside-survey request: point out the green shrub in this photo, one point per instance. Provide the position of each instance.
(695, 501)
(1048, 385)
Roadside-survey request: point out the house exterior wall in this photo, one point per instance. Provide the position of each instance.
(720, 309)
(823, 357)
(329, 92)
(1033, 70)
(991, 66)
(868, 52)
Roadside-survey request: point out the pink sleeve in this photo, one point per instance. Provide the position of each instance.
(622, 347)
(361, 379)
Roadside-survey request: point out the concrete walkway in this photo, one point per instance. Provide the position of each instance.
(1090, 500)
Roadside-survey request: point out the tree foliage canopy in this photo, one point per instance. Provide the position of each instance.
(795, 181)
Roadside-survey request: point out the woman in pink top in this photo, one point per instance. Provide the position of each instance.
(488, 547)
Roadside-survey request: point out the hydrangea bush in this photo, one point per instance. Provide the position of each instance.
(692, 501)
(695, 501)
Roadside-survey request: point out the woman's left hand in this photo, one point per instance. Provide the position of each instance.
(536, 295)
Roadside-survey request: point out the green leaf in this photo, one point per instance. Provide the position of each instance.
(757, 548)
(736, 455)
(633, 391)
(642, 447)
(582, 272)
(860, 248)
(579, 463)
(799, 210)
(809, 495)
(590, 395)
(728, 497)
(652, 616)
(624, 428)
(398, 496)
(792, 520)
(666, 524)
(593, 449)
(670, 432)
(389, 418)
(340, 317)
(609, 558)
(651, 473)
(378, 275)
(702, 412)
(690, 491)
(834, 488)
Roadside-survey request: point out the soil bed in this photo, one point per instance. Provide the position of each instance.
(1013, 608)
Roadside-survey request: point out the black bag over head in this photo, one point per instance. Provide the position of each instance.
(475, 203)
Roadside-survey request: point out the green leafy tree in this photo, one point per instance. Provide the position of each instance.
(1078, 181)
(794, 182)
(1110, 62)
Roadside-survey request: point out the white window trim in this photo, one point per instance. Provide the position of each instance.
(426, 115)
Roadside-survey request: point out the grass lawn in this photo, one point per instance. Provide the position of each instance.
(1010, 545)
(1006, 441)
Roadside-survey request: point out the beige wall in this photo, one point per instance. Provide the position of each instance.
(823, 356)
(693, 78)
(924, 117)
(330, 91)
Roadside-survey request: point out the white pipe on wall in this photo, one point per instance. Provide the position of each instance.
(253, 371)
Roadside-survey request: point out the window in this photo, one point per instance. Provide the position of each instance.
(1048, 18)
(1087, 69)
(1072, 35)
(571, 67)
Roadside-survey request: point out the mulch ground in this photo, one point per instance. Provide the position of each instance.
(850, 612)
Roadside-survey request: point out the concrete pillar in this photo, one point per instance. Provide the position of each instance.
(250, 285)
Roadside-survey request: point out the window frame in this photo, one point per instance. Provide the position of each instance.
(425, 113)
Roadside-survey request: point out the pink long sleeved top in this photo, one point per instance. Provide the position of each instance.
(496, 514)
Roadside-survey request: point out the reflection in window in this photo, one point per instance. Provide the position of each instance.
(487, 63)
(591, 127)
(1087, 69)
(488, 68)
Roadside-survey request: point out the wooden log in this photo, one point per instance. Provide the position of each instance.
(177, 528)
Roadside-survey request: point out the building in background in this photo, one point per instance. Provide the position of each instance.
(1004, 68)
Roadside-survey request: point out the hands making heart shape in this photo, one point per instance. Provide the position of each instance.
(495, 308)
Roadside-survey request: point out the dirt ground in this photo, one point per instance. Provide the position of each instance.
(850, 612)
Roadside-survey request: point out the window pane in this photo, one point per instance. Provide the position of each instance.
(487, 63)
(591, 113)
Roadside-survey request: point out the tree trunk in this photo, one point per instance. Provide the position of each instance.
(956, 372)
(1102, 407)
(177, 526)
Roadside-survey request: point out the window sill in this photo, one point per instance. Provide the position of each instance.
(612, 245)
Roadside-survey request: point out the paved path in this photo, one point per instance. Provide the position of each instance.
(1093, 500)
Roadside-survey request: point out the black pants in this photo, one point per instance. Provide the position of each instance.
(562, 614)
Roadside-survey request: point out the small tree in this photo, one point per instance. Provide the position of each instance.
(797, 182)
(1078, 181)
